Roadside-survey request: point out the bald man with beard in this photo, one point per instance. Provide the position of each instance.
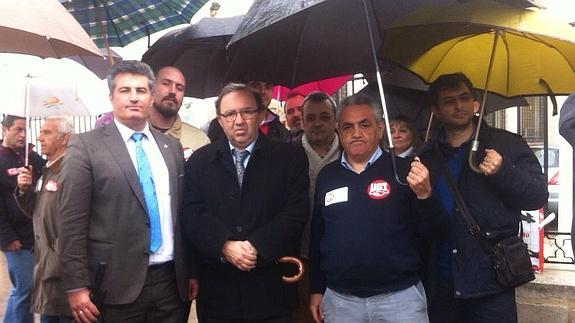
(168, 98)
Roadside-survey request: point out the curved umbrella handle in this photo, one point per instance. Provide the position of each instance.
(296, 261)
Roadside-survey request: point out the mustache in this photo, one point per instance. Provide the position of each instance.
(170, 97)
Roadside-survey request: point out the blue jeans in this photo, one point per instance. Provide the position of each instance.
(56, 319)
(408, 305)
(20, 268)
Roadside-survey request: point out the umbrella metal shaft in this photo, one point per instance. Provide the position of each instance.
(475, 144)
(382, 97)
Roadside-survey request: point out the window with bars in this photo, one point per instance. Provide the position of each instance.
(496, 119)
(532, 121)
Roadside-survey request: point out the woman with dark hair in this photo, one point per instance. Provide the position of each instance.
(404, 136)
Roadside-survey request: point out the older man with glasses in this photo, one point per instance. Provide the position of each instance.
(245, 206)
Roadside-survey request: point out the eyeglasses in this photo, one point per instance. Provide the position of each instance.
(245, 113)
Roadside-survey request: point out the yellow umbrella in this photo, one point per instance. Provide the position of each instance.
(516, 47)
(500, 48)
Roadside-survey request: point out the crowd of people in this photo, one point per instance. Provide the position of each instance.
(132, 221)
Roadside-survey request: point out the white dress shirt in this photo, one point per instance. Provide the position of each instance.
(162, 185)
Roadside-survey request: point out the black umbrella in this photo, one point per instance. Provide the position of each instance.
(292, 42)
(199, 51)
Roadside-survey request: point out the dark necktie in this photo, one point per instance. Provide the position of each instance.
(149, 188)
(240, 157)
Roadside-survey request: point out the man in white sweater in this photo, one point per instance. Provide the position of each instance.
(321, 146)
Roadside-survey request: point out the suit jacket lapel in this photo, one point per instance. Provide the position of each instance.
(164, 147)
(113, 140)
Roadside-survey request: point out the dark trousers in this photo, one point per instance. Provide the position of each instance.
(158, 301)
(281, 319)
(445, 308)
(302, 314)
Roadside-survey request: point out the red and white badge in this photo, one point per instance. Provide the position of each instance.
(51, 186)
(378, 189)
(188, 153)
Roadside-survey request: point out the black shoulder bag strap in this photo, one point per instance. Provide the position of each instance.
(472, 226)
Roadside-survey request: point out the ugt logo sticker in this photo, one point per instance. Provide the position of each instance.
(378, 189)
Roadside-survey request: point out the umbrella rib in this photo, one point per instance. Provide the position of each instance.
(541, 40)
(506, 44)
(298, 51)
(109, 16)
(464, 38)
(174, 8)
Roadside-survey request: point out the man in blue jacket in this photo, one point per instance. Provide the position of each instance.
(462, 284)
(367, 228)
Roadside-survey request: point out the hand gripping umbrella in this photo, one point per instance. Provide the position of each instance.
(506, 50)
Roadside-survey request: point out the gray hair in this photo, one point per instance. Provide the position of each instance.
(130, 67)
(361, 99)
(65, 124)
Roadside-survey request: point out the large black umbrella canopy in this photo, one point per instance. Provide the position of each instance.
(292, 42)
(199, 51)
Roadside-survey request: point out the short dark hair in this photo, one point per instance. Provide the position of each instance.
(319, 97)
(8, 120)
(448, 82)
(361, 99)
(238, 87)
(130, 67)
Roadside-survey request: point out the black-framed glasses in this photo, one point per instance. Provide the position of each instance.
(245, 113)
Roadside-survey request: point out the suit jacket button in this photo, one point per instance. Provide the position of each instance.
(239, 229)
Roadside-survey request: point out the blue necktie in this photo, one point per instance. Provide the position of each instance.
(147, 184)
(240, 157)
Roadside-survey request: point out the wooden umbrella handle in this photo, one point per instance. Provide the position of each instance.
(296, 261)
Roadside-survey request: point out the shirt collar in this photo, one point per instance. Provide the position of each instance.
(376, 154)
(249, 148)
(50, 163)
(407, 152)
(127, 133)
